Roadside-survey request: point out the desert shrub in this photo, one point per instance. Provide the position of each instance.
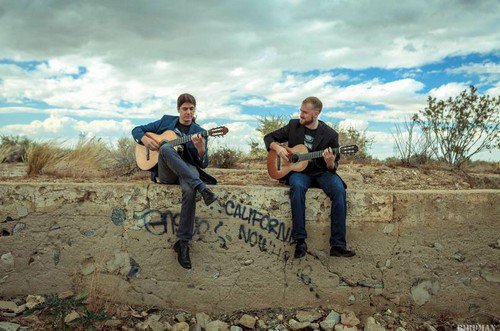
(225, 157)
(412, 146)
(267, 124)
(257, 151)
(352, 136)
(462, 126)
(123, 157)
(270, 123)
(13, 149)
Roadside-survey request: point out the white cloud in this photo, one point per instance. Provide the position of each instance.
(395, 93)
(383, 115)
(238, 137)
(226, 51)
(488, 68)
(56, 127)
(107, 127)
(256, 102)
(382, 144)
(495, 90)
(228, 34)
(448, 90)
(278, 53)
(359, 124)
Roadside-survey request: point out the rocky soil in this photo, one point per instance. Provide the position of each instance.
(65, 311)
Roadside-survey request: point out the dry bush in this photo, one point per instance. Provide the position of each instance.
(257, 151)
(43, 156)
(225, 157)
(270, 123)
(13, 149)
(123, 157)
(462, 126)
(413, 147)
(352, 136)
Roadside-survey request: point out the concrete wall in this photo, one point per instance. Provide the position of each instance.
(433, 252)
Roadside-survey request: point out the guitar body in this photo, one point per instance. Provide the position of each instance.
(298, 157)
(146, 159)
(279, 168)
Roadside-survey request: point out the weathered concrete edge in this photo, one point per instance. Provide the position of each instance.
(258, 187)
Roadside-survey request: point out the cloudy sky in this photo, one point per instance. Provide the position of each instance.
(102, 67)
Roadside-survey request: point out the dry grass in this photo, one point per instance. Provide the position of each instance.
(89, 158)
(482, 167)
(42, 156)
(4, 153)
(92, 285)
(96, 300)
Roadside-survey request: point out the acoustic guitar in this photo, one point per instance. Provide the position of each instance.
(298, 158)
(147, 159)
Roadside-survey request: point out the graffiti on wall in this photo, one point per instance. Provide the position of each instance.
(159, 222)
(257, 229)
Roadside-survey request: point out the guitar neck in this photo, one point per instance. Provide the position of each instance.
(314, 155)
(183, 139)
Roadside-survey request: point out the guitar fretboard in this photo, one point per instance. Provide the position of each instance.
(312, 155)
(183, 139)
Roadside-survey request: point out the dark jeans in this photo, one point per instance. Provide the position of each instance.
(333, 186)
(172, 169)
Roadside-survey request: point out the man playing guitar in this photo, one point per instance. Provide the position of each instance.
(316, 135)
(184, 167)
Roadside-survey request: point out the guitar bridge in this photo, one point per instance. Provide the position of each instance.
(147, 154)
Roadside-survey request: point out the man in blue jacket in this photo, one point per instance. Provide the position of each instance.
(182, 166)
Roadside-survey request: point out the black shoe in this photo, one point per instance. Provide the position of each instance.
(208, 196)
(182, 249)
(339, 251)
(300, 249)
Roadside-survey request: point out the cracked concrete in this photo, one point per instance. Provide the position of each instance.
(254, 269)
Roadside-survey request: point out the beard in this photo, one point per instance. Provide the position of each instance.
(306, 122)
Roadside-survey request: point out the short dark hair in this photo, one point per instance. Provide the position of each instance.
(185, 97)
(317, 104)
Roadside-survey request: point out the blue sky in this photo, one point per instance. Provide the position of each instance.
(102, 68)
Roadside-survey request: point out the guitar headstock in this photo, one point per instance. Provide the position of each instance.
(349, 149)
(218, 131)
